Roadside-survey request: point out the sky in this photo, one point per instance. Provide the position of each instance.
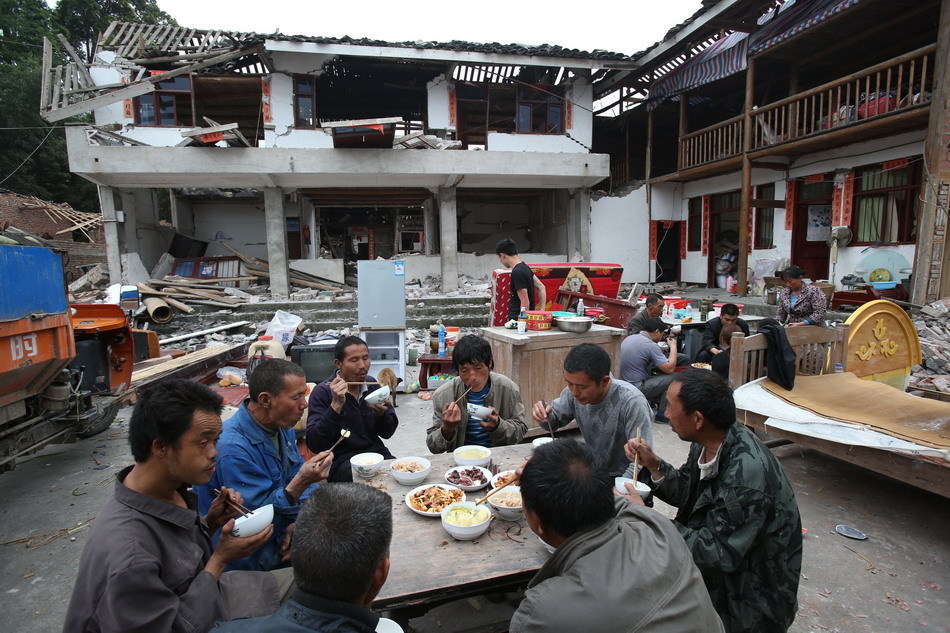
(617, 26)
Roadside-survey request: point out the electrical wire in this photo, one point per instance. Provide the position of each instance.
(28, 157)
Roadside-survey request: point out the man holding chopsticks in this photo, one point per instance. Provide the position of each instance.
(736, 508)
(608, 411)
(452, 425)
(339, 403)
(149, 564)
(258, 457)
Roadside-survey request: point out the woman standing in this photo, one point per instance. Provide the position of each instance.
(800, 303)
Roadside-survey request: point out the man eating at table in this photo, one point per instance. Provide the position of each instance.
(148, 564)
(608, 411)
(476, 384)
(736, 508)
(341, 561)
(617, 566)
(258, 457)
(339, 404)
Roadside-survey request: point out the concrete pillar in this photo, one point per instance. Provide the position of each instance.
(448, 238)
(130, 222)
(429, 227)
(276, 227)
(111, 232)
(578, 233)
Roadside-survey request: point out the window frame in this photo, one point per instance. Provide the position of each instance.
(906, 228)
(764, 217)
(299, 123)
(550, 101)
(155, 98)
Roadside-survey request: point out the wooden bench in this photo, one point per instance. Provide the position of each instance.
(817, 350)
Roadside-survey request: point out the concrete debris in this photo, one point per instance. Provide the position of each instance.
(933, 329)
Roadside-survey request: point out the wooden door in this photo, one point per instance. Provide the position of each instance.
(811, 225)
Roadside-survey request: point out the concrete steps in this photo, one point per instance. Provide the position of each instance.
(421, 312)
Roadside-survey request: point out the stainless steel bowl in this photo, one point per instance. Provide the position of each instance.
(576, 324)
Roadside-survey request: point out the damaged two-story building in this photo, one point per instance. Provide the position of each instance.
(313, 152)
(809, 131)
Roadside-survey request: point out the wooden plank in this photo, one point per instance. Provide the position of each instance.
(425, 560)
(45, 74)
(930, 474)
(189, 365)
(80, 66)
(129, 92)
(227, 127)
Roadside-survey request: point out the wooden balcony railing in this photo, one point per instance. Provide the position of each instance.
(718, 142)
(889, 88)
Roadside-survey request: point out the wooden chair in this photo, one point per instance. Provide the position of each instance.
(817, 350)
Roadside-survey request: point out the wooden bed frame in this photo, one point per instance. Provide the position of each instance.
(817, 350)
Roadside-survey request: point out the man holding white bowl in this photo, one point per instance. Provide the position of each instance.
(457, 404)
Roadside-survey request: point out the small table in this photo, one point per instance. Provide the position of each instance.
(429, 567)
(430, 362)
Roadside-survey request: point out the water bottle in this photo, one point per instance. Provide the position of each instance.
(522, 321)
(580, 307)
(442, 341)
(839, 368)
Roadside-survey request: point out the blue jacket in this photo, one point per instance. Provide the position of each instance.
(308, 613)
(248, 463)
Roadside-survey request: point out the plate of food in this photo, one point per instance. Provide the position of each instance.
(429, 501)
(468, 477)
(702, 365)
(502, 478)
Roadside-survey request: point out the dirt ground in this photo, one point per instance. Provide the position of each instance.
(898, 580)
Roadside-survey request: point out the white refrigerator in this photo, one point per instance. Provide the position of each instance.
(381, 308)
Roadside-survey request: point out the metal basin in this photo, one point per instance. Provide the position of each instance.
(575, 324)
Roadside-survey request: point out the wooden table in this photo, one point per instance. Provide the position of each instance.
(534, 360)
(428, 567)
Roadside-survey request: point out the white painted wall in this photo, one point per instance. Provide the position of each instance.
(437, 105)
(620, 233)
(476, 266)
(243, 223)
(331, 269)
(555, 143)
(581, 94)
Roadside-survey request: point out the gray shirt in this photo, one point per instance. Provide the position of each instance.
(143, 570)
(607, 426)
(638, 356)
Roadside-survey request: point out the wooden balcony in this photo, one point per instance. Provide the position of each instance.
(885, 99)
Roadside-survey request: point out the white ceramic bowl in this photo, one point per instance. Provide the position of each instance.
(619, 482)
(538, 441)
(254, 522)
(505, 512)
(466, 533)
(421, 488)
(367, 465)
(388, 626)
(379, 396)
(478, 411)
(411, 479)
(485, 473)
(472, 455)
(494, 480)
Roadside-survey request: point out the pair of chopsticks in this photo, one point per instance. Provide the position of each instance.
(362, 383)
(244, 512)
(345, 433)
(514, 480)
(463, 395)
(636, 460)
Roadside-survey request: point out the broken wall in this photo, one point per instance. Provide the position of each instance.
(619, 233)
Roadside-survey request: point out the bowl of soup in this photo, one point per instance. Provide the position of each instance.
(471, 455)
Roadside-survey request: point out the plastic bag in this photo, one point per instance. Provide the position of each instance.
(230, 376)
(283, 327)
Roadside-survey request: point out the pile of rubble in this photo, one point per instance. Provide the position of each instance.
(933, 329)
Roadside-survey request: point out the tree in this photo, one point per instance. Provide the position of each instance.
(84, 20)
(23, 23)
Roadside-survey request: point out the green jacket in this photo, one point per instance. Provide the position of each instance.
(744, 530)
(504, 395)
